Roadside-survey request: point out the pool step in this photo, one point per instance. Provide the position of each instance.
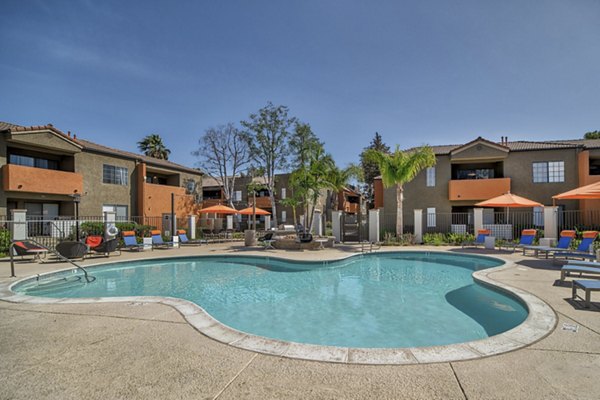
(57, 284)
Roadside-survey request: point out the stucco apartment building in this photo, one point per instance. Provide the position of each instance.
(45, 170)
(481, 169)
(347, 199)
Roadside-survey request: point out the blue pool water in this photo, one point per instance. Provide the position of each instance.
(400, 299)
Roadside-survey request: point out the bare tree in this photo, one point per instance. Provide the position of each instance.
(268, 134)
(224, 154)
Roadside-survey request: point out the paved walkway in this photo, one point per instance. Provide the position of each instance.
(147, 351)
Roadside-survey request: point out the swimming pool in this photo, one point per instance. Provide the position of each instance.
(379, 300)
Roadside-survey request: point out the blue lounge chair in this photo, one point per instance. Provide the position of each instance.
(583, 250)
(157, 240)
(183, 239)
(588, 287)
(130, 241)
(566, 237)
(479, 240)
(527, 238)
(571, 269)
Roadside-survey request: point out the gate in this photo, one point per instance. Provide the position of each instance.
(355, 227)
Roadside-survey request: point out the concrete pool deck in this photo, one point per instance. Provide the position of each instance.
(140, 350)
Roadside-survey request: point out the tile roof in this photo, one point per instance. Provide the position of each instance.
(524, 145)
(91, 146)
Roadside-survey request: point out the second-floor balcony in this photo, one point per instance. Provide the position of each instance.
(477, 189)
(19, 178)
(262, 202)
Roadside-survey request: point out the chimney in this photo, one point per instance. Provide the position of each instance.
(69, 133)
(74, 136)
(506, 140)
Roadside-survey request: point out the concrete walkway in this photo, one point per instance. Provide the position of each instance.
(135, 350)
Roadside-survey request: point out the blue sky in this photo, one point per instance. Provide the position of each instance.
(417, 72)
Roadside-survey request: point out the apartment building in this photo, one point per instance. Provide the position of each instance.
(46, 171)
(481, 169)
(347, 199)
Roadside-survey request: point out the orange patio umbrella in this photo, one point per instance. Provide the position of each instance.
(250, 211)
(509, 200)
(581, 193)
(219, 209)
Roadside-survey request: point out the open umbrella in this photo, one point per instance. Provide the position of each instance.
(508, 200)
(250, 211)
(581, 193)
(219, 209)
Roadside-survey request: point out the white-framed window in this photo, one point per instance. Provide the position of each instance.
(430, 177)
(283, 193)
(115, 175)
(121, 211)
(548, 171)
(283, 216)
(431, 217)
(237, 195)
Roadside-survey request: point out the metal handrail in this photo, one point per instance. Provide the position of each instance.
(88, 278)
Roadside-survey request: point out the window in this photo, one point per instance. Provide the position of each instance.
(548, 171)
(431, 177)
(237, 195)
(115, 175)
(119, 210)
(431, 217)
(283, 216)
(32, 161)
(283, 193)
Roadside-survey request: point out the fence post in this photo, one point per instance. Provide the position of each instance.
(551, 222)
(336, 225)
(374, 226)
(267, 222)
(192, 226)
(317, 223)
(418, 226)
(18, 228)
(477, 219)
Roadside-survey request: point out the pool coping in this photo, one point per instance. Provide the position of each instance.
(540, 322)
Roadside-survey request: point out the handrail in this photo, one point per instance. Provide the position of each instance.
(88, 278)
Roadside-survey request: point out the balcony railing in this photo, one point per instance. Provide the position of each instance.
(477, 189)
(19, 178)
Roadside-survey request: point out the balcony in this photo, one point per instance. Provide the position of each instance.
(351, 208)
(213, 202)
(262, 202)
(18, 178)
(477, 189)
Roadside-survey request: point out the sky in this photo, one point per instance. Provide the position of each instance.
(418, 72)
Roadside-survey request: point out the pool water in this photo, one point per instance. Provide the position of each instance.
(380, 300)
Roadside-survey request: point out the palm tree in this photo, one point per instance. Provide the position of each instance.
(339, 179)
(399, 168)
(153, 146)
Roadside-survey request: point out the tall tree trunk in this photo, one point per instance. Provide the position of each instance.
(273, 206)
(399, 217)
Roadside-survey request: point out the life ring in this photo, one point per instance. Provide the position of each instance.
(112, 230)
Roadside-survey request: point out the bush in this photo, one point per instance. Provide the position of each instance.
(4, 242)
(447, 239)
(390, 239)
(97, 228)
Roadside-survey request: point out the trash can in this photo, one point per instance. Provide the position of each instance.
(249, 237)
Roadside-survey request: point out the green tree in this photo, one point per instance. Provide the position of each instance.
(592, 135)
(399, 168)
(370, 169)
(153, 146)
(267, 134)
(340, 179)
